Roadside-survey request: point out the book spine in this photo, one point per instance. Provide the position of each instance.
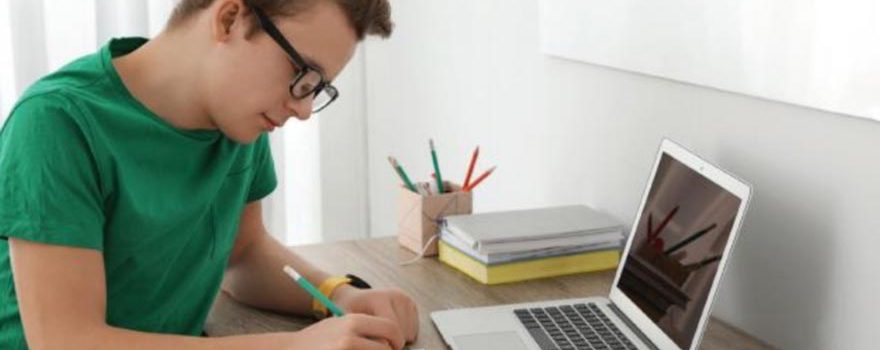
(506, 258)
(520, 271)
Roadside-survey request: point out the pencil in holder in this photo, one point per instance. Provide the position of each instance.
(419, 215)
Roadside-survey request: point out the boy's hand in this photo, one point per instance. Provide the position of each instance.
(392, 304)
(350, 332)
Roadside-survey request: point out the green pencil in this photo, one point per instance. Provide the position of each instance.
(304, 283)
(402, 174)
(436, 167)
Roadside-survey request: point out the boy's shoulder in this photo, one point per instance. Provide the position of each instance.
(50, 107)
(40, 117)
(68, 93)
(79, 75)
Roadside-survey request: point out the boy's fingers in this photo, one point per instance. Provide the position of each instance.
(371, 344)
(407, 318)
(378, 328)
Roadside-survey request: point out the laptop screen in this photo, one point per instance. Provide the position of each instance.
(680, 238)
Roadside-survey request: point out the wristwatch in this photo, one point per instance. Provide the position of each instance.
(329, 285)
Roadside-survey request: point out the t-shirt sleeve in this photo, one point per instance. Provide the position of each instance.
(49, 182)
(264, 181)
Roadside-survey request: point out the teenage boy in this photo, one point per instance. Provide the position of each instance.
(131, 180)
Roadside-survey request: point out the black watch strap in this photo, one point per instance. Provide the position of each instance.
(358, 282)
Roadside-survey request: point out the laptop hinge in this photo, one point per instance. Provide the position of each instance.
(632, 326)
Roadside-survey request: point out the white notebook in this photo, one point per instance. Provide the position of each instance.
(530, 224)
(533, 252)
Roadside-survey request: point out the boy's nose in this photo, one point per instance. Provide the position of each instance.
(300, 108)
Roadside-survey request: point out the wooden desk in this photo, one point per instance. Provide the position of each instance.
(434, 286)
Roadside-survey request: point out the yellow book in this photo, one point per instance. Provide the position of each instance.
(529, 269)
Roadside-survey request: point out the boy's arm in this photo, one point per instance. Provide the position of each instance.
(255, 277)
(62, 302)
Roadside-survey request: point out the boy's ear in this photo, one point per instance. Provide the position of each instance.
(228, 14)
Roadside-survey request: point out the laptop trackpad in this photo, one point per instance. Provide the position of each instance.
(497, 340)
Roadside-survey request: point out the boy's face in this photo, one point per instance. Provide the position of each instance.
(247, 79)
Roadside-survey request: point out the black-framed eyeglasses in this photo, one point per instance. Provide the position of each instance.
(309, 81)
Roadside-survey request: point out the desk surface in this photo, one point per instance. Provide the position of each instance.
(434, 286)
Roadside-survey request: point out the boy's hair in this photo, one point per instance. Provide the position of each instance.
(366, 16)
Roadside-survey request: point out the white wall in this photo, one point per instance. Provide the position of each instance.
(321, 167)
(470, 72)
(343, 145)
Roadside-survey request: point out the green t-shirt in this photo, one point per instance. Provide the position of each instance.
(84, 164)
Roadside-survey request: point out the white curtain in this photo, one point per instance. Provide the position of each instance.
(40, 36)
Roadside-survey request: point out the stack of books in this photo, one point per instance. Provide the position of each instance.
(512, 246)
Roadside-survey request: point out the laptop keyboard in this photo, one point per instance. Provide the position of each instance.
(570, 327)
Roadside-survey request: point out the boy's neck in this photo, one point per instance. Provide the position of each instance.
(163, 75)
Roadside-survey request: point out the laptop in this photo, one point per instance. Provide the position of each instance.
(669, 273)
